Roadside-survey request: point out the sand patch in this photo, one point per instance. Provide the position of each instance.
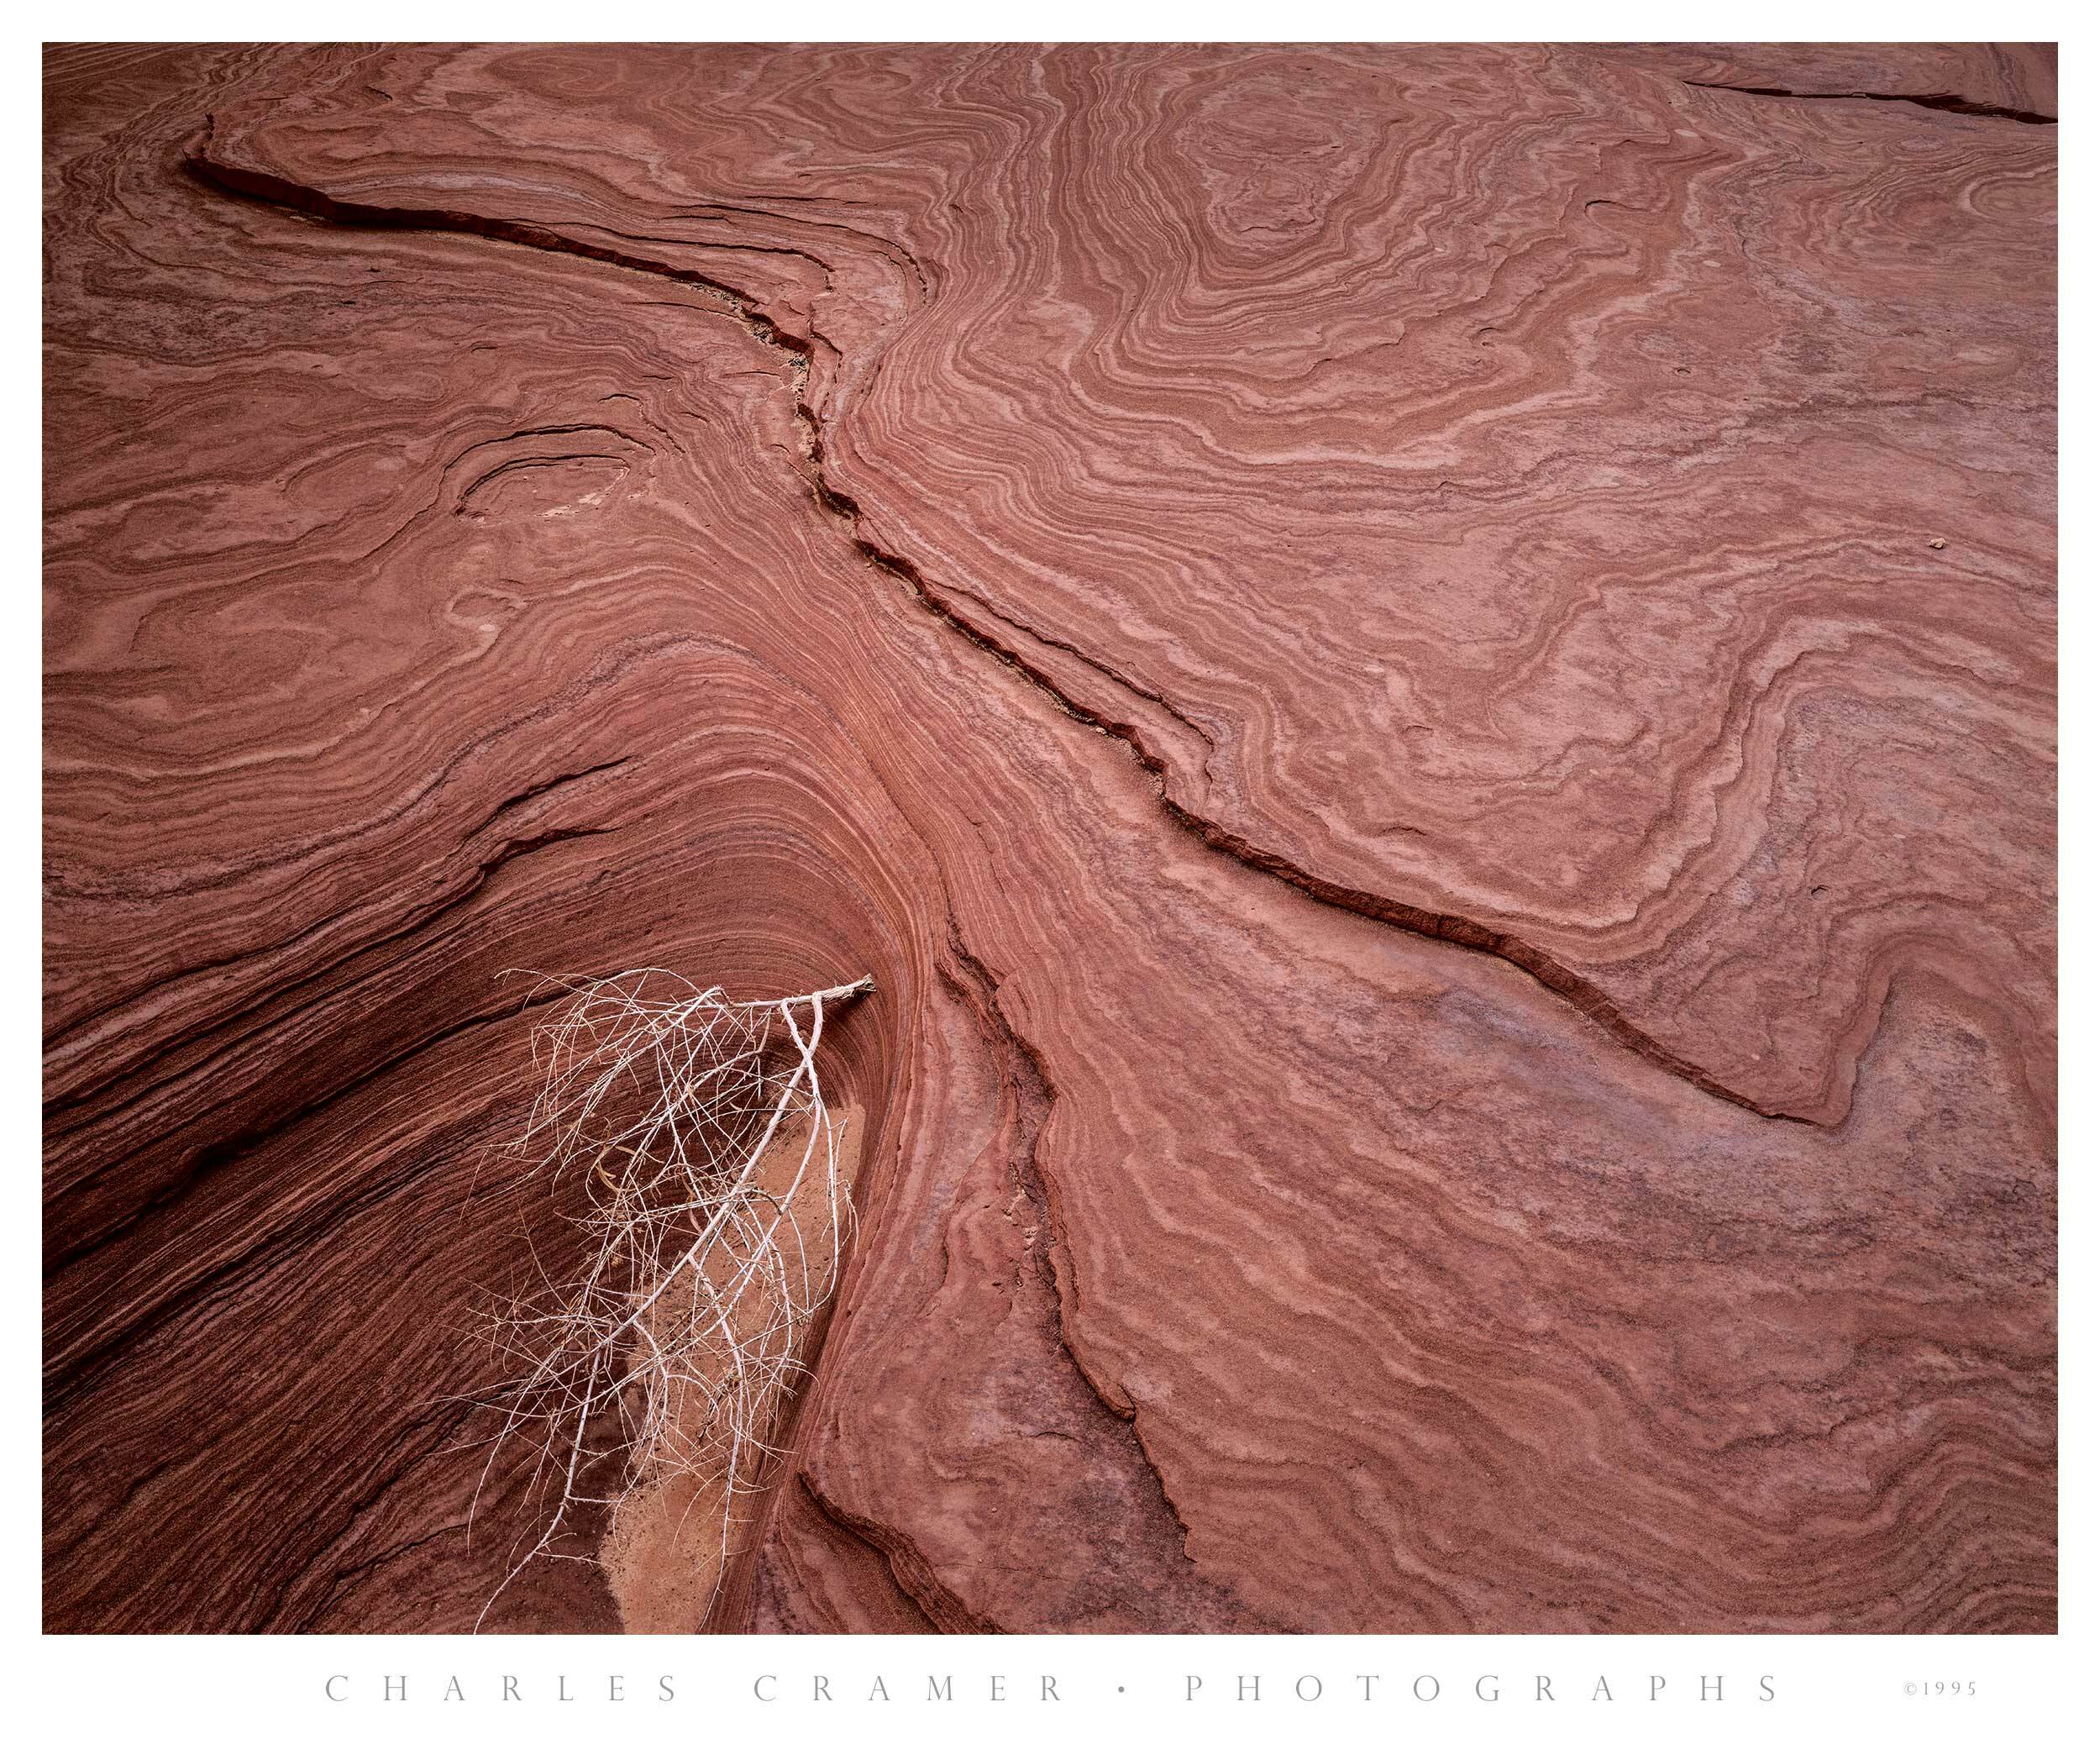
(675, 1536)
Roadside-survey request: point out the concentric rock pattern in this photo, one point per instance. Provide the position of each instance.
(1427, 676)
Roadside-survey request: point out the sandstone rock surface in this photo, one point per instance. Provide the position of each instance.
(1427, 676)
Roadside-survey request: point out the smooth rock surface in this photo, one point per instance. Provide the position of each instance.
(1427, 676)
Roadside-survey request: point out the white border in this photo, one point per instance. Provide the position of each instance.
(330, 1688)
(1049, 21)
(140, 1688)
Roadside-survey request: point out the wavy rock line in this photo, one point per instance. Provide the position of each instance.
(1449, 928)
(1440, 1309)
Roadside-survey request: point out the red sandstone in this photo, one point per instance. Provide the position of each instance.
(1425, 675)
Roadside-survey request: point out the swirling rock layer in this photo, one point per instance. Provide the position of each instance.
(1425, 675)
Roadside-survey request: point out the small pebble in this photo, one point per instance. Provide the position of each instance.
(1938, 544)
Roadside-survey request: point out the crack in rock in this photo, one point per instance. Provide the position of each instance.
(1448, 928)
(1945, 100)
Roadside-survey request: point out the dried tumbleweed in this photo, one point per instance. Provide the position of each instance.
(697, 1128)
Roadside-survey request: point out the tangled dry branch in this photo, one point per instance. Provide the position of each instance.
(717, 1216)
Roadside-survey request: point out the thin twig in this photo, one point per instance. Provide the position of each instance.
(668, 1101)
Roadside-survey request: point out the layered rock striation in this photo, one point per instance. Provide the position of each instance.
(1425, 675)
